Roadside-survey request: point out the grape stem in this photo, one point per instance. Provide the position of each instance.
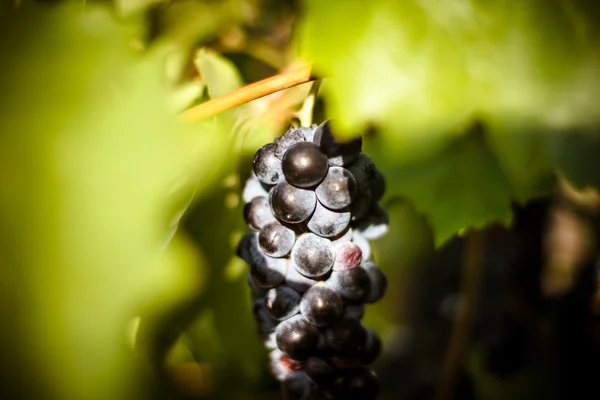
(459, 338)
(305, 114)
(248, 93)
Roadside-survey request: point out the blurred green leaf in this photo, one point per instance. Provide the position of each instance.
(459, 187)
(92, 171)
(220, 75)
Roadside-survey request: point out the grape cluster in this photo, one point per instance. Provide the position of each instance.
(312, 205)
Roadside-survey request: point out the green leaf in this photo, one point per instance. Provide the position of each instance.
(93, 169)
(220, 75)
(460, 187)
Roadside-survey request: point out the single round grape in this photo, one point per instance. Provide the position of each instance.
(338, 189)
(377, 186)
(269, 272)
(266, 324)
(352, 284)
(321, 305)
(282, 302)
(297, 281)
(365, 246)
(372, 347)
(347, 338)
(378, 282)
(304, 165)
(291, 204)
(364, 172)
(374, 224)
(292, 136)
(313, 255)
(355, 311)
(257, 213)
(327, 223)
(276, 240)
(360, 384)
(338, 153)
(347, 256)
(296, 386)
(267, 166)
(297, 337)
(255, 188)
(320, 370)
(361, 204)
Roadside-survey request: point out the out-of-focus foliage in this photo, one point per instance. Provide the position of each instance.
(92, 172)
(423, 71)
(119, 223)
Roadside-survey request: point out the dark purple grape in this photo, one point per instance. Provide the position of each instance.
(360, 384)
(282, 302)
(304, 165)
(267, 166)
(372, 347)
(374, 224)
(276, 240)
(321, 305)
(292, 136)
(347, 256)
(361, 204)
(352, 284)
(338, 153)
(377, 186)
(297, 338)
(257, 213)
(313, 255)
(364, 172)
(338, 189)
(297, 281)
(266, 324)
(269, 272)
(355, 311)
(296, 386)
(378, 282)
(347, 338)
(320, 370)
(291, 204)
(328, 223)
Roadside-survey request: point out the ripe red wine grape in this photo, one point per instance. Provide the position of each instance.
(311, 204)
(328, 223)
(304, 164)
(312, 255)
(267, 166)
(297, 338)
(276, 240)
(282, 302)
(338, 189)
(257, 213)
(292, 204)
(321, 305)
(352, 284)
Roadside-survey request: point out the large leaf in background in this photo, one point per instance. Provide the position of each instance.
(91, 171)
(421, 70)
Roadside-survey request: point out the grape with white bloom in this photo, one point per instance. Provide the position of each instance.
(313, 255)
(267, 166)
(328, 223)
(292, 204)
(338, 189)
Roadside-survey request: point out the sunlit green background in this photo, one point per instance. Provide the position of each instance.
(119, 222)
